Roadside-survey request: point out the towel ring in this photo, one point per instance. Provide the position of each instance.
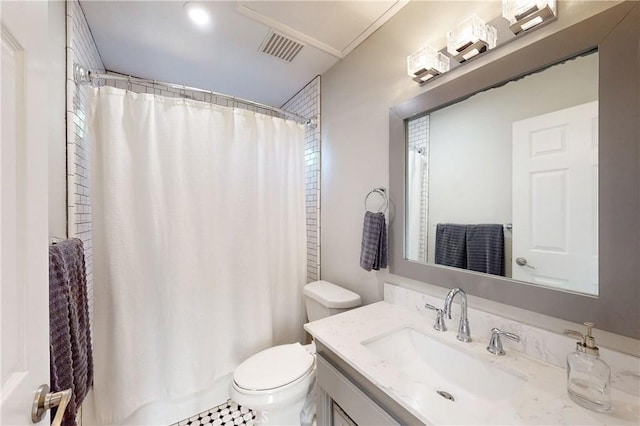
(383, 193)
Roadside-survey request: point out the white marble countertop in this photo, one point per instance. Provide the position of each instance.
(542, 400)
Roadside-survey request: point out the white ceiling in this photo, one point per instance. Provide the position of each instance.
(156, 40)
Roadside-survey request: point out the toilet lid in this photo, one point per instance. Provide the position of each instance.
(331, 295)
(273, 367)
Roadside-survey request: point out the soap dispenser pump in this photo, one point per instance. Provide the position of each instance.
(588, 376)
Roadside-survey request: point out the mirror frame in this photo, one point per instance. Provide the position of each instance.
(615, 32)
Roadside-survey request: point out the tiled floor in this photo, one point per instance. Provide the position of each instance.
(227, 414)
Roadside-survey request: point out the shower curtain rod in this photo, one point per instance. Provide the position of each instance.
(82, 75)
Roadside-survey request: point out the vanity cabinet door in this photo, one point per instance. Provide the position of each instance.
(340, 418)
(359, 407)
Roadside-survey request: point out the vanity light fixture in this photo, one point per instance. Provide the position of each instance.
(426, 63)
(526, 14)
(470, 38)
(197, 13)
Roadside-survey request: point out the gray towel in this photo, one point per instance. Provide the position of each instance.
(61, 376)
(451, 245)
(485, 249)
(70, 348)
(373, 250)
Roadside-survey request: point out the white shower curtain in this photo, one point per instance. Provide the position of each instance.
(414, 205)
(199, 244)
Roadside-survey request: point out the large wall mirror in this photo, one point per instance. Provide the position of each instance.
(519, 181)
(513, 190)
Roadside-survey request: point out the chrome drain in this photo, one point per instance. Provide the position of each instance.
(446, 395)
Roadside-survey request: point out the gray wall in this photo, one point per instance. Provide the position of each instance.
(356, 96)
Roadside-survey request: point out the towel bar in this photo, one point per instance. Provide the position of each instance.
(383, 193)
(506, 226)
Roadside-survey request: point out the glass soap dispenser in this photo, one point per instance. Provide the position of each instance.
(588, 376)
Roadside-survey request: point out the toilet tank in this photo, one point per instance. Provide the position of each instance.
(323, 299)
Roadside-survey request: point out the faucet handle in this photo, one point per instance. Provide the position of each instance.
(495, 344)
(439, 325)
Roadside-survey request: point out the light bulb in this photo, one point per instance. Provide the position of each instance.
(197, 13)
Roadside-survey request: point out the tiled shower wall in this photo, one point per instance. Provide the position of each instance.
(81, 49)
(418, 138)
(307, 104)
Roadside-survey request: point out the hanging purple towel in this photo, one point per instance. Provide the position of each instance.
(373, 250)
(71, 355)
(451, 245)
(60, 331)
(485, 248)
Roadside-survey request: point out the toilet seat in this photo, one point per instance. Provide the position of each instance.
(274, 369)
(255, 385)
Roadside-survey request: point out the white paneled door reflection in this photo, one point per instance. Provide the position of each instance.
(555, 199)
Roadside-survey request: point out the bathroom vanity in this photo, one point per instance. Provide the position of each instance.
(385, 364)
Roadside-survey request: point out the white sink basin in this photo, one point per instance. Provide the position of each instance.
(458, 373)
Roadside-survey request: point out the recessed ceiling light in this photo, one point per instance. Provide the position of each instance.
(198, 13)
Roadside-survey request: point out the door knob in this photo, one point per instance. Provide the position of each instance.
(45, 400)
(521, 261)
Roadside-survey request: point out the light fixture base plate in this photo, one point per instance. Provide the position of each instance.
(480, 45)
(545, 15)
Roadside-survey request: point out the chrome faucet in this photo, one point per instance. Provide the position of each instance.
(464, 333)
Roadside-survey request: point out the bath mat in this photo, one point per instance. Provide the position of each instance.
(227, 414)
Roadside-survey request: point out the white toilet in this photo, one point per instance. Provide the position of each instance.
(274, 383)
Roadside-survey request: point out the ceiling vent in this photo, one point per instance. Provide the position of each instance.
(280, 46)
